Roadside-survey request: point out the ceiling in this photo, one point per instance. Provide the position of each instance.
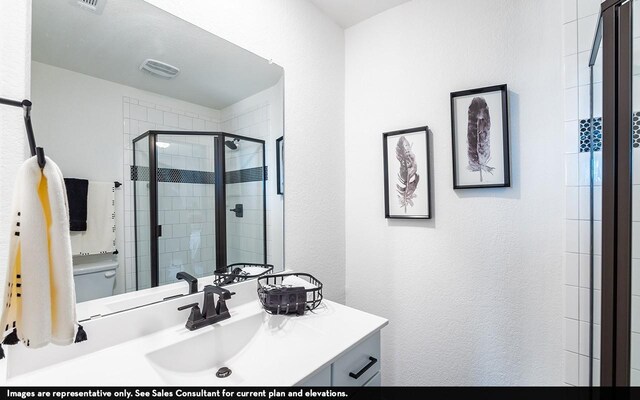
(350, 12)
(112, 45)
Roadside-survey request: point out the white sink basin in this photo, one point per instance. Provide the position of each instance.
(198, 358)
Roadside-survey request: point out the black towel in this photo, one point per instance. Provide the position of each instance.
(77, 190)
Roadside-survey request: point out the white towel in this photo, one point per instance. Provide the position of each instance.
(39, 298)
(100, 236)
(296, 281)
(252, 271)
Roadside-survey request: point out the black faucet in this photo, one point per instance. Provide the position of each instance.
(211, 312)
(193, 282)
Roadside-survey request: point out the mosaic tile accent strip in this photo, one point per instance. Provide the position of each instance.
(200, 177)
(585, 135)
(246, 175)
(636, 129)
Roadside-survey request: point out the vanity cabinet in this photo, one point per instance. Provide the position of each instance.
(359, 366)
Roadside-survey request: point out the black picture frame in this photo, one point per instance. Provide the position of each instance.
(504, 148)
(425, 175)
(280, 165)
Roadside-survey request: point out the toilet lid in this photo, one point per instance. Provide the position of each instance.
(93, 267)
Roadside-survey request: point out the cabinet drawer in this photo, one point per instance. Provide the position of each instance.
(359, 364)
(375, 381)
(320, 378)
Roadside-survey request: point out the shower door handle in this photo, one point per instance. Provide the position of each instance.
(159, 230)
(239, 210)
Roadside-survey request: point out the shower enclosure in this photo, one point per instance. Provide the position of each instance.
(614, 159)
(200, 204)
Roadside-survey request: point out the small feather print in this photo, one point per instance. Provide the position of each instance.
(479, 137)
(407, 176)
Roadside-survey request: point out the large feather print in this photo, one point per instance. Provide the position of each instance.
(478, 137)
(407, 176)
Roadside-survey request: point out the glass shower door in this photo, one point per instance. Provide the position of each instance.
(245, 200)
(186, 205)
(142, 213)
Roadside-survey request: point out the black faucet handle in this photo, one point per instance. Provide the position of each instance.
(195, 315)
(192, 305)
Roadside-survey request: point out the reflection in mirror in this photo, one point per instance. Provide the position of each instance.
(205, 115)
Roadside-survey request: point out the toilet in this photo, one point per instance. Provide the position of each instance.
(94, 280)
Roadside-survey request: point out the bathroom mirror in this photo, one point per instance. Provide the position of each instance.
(166, 135)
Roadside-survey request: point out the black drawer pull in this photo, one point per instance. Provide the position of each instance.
(372, 360)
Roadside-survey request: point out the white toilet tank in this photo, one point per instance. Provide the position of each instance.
(95, 279)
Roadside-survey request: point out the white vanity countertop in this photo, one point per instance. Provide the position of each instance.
(280, 351)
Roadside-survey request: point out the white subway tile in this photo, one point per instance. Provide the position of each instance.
(572, 235)
(185, 122)
(171, 119)
(584, 362)
(588, 7)
(584, 340)
(635, 314)
(571, 136)
(635, 350)
(584, 306)
(146, 104)
(584, 105)
(570, 71)
(570, 38)
(571, 268)
(571, 104)
(635, 276)
(155, 116)
(144, 127)
(138, 112)
(572, 202)
(635, 204)
(198, 124)
(584, 169)
(569, 10)
(586, 32)
(571, 335)
(571, 169)
(571, 305)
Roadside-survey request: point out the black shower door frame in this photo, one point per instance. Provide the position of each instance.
(615, 34)
(220, 224)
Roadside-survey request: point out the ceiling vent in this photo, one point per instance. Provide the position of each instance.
(159, 68)
(95, 6)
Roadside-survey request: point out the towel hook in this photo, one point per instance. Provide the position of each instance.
(26, 106)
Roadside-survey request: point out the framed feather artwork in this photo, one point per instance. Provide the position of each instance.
(406, 174)
(480, 135)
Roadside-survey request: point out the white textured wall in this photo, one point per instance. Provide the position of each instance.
(474, 296)
(15, 51)
(310, 47)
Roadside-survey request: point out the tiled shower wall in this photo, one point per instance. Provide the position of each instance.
(580, 20)
(261, 117)
(182, 206)
(245, 235)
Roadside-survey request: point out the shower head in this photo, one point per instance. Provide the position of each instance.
(232, 144)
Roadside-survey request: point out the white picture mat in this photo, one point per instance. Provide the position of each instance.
(496, 138)
(419, 148)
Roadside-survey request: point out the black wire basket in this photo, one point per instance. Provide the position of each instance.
(234, 273)
(277, 298)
